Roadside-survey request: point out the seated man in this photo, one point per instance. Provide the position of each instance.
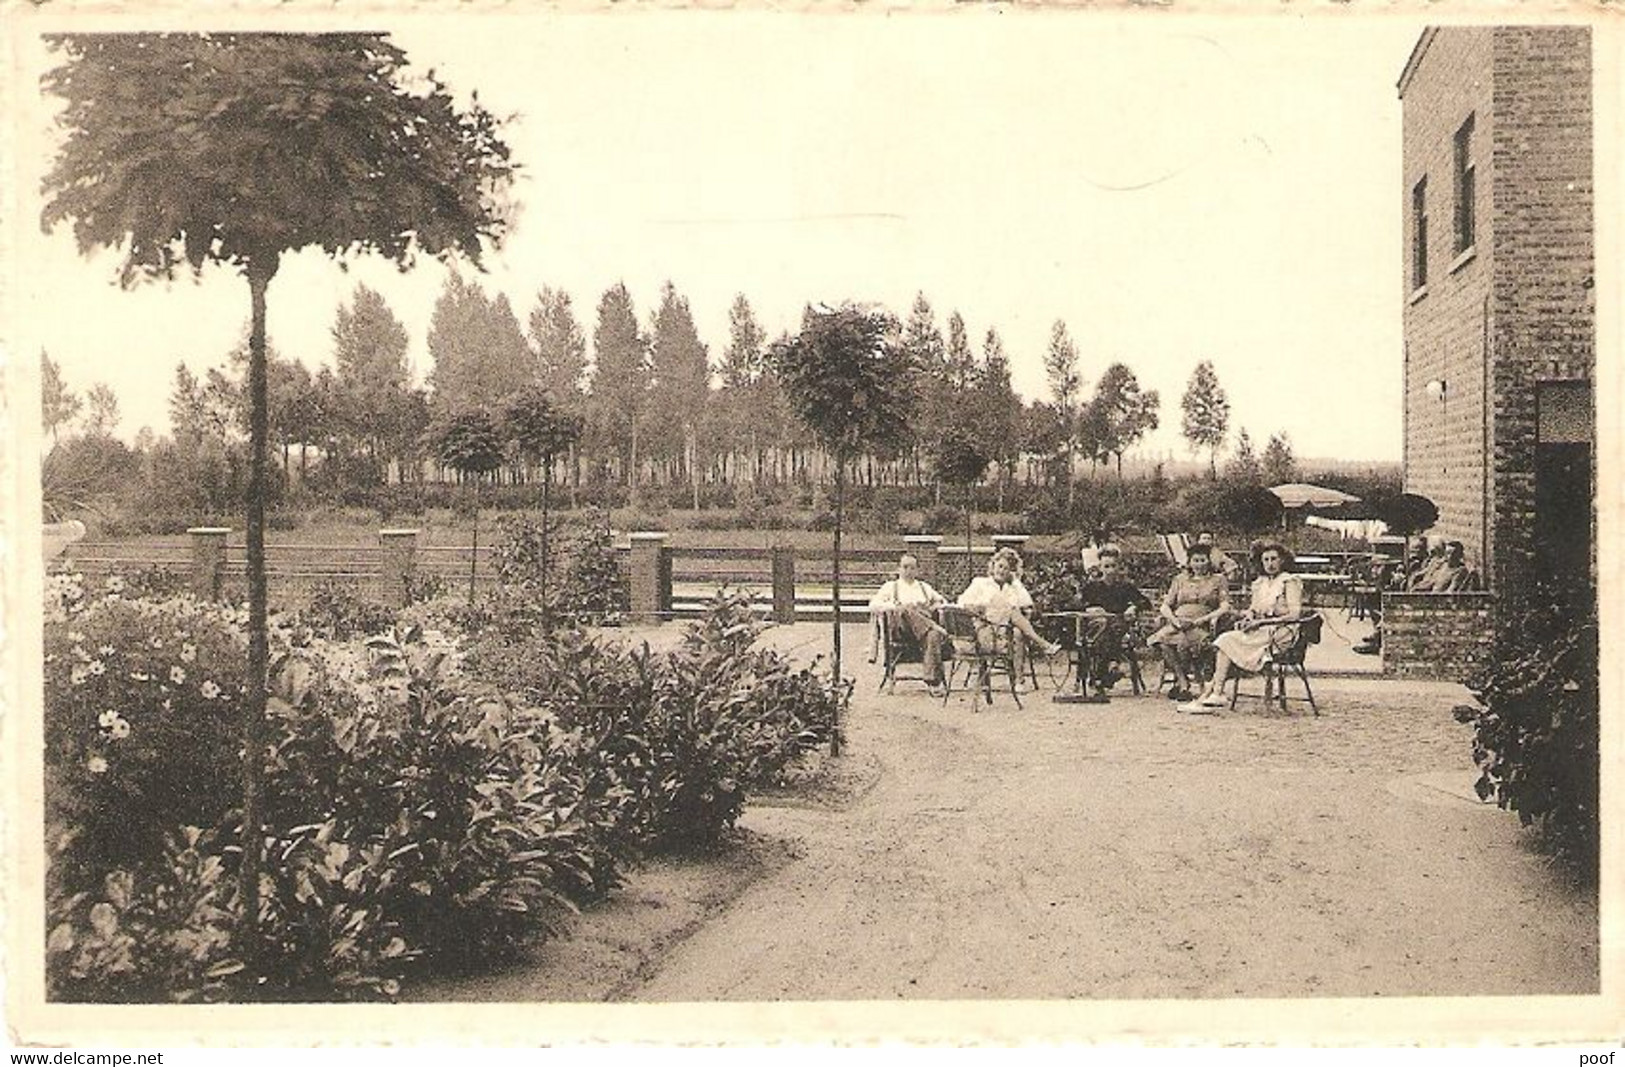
(1113, 602)
(1000, 598)
(908, 601)
(1222, 563)
(1421, 576)
(1451, 574)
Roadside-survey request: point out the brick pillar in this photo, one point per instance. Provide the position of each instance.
(399, 549)
(784, 583)
(208, 560)
(924, 547)
(651, 578)
(1015, 541)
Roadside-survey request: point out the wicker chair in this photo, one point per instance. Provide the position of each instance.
(982, 648)
(1296, 637)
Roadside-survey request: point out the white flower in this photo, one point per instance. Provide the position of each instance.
(210, 690)
(140, 676)
(177, 675)
(106, 650)
(106, 719)
(75, 636)
(188, 652)
(79, 675)
(115, 584)
(120, 730)
(156, 642)
(96, 667)
(96, 765)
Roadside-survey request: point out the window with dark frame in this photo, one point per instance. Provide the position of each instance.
(1465, 174)
(1419, 234)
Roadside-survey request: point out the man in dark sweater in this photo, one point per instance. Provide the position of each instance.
(1112, 602)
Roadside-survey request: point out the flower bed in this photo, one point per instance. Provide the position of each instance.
(424, 808)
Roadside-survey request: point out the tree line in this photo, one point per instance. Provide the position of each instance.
(653, 406)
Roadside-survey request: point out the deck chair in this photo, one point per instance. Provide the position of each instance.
(1176, 546)
(898, 647)
(982, 648)
(1301, 633)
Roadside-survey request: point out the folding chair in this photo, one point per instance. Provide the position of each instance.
(982, 647)
(1296, 637)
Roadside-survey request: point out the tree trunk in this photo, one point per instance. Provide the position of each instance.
(547, 482)
(474, 554)
(693, 443)
(835, 582)
(969, 489)
(253, 836)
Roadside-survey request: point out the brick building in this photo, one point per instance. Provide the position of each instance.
(1499, 304)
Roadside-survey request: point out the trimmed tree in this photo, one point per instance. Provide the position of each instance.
(541, 431)
(470, 444)
(184, 150)
(959, 459)
(848, 379)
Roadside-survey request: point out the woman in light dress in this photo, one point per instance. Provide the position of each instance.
(1277, 598)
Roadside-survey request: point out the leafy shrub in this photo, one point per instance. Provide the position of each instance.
(594, 590)
(1535, 727)
(336, 612)
(142, 724)
(680, 738)
(163, 935)
(429, 801)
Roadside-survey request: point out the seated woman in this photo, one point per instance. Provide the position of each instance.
(1196, 601)
(1277, 598)
(909, 600)
(999, 597)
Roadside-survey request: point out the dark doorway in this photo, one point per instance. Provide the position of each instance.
(1564, 498)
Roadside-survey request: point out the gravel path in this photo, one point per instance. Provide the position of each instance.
(1127, 851)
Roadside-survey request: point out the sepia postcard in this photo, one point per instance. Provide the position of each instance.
(941, 524)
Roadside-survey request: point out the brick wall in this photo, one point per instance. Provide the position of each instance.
(1445, 322)
(1436, 635)
(955, 569)
(1519, 306)
(1543, 313)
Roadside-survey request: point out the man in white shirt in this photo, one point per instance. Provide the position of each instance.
(908, 601)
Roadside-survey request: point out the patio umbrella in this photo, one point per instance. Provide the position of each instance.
(1304, 495)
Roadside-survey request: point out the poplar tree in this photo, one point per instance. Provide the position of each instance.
(1065, 387)
(1206, 414)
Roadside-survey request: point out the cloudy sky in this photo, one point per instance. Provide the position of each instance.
(1174, 188)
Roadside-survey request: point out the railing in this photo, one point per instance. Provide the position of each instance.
(663, 581)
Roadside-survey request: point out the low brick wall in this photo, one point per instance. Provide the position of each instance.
(1436, 635)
